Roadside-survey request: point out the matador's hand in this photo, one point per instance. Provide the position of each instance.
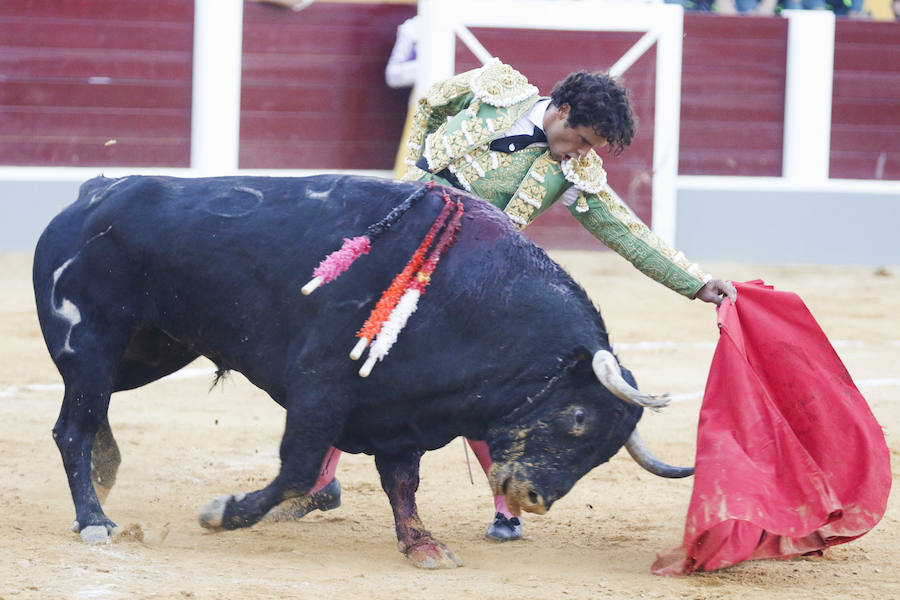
(716, 290)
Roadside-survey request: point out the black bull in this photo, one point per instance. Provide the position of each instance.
(143, 274)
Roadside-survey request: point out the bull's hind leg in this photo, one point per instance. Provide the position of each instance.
(400, 480)
(94, 362)
(310, 429)
(88, 358)
(81, 418)
(324, 495)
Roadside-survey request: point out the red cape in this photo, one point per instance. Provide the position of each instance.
(790, 460)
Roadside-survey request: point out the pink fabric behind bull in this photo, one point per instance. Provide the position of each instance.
(790, 460)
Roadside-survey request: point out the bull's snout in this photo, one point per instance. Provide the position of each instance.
(532, 502)
(509, 480)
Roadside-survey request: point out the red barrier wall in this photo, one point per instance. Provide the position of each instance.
(77, 74)
(95, 82)
(732, 95)
(865, 112)
(313, 90)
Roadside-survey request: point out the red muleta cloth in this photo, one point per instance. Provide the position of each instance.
(790, 460)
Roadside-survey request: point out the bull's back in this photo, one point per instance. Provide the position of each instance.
(217, 263)
(171, 224)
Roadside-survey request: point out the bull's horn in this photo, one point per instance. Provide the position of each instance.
(642, 456)
(607, 369)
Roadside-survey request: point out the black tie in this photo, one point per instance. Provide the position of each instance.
(514, 143)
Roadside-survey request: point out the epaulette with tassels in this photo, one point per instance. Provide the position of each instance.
(400, 300)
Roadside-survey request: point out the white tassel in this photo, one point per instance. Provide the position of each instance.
(517, 220)
(529, 200)
(391, 330)
(465, 130)
(448, 148)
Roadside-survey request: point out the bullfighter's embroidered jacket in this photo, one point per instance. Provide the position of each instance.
(452, 128)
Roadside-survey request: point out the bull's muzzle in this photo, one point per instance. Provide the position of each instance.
(509, 480)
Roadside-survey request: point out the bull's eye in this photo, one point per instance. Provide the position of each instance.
(578, 426)
(579, 417)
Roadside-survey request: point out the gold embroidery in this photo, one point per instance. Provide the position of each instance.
(443, 92)
(613, 224)
(414, 173)
(443, 147)
(501, 85)
(586, 172)
(442, 99)
(449, 141)
(457, 115)
(581, 204)
(530, 195)
(416, 134)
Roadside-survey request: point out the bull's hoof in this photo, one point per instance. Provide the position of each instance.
(95, 534)
(328, 498)
(433, 555)
(213, 514)
(504, 529)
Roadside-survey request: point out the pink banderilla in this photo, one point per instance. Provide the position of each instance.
(337, 262)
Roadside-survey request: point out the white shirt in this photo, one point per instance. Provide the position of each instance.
(533, 118)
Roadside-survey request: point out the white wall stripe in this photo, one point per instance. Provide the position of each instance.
(6, 392)
(192, 373)
(216, 97)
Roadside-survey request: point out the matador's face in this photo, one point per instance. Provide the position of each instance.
(565, 141)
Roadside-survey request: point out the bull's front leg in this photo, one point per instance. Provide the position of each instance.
(400, 480)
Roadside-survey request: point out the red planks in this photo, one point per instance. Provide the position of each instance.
(92, 151)
(95, 33)
(57, 63)
(313, 93)
(151, 11)
(78, 74)
(865, 111)
(732, 96)
(53, 96)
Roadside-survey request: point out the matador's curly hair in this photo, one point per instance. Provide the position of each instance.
(600, 102)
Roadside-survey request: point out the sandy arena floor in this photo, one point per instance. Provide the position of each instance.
(182, 445)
